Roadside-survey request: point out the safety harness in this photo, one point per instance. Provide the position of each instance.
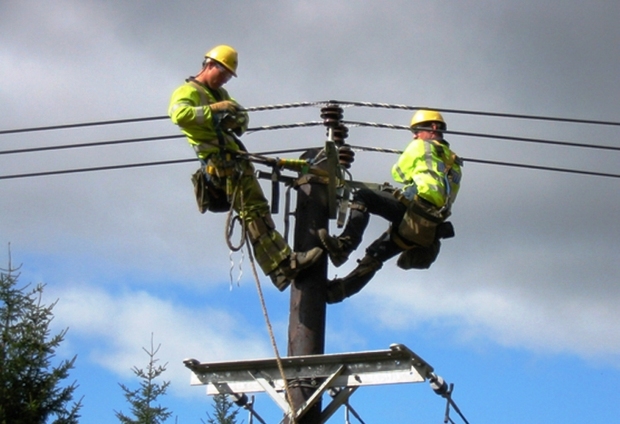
(419, 225)
(222, 166)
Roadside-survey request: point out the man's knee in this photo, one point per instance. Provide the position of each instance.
(363, 197)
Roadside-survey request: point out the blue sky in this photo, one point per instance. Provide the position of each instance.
(520, 309)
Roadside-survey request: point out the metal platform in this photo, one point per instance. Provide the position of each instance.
(344, 372)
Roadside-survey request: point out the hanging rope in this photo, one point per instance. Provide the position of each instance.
(270, 330)
(229, 230)
(230, 221)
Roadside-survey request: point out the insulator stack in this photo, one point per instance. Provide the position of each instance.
(331, 115)
(339, 134)
(332, 118)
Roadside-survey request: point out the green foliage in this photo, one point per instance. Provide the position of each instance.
(223, 411)
(30, 386)
(142, 400)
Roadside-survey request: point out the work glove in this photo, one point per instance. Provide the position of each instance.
(224, 106)
(236, 123)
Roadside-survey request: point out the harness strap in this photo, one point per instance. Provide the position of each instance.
(204, 100)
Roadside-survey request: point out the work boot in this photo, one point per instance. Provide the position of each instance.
(290, 267)
(338, 248)
(339, 289)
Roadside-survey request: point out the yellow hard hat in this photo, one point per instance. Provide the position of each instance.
(423, 116)
(225, 55)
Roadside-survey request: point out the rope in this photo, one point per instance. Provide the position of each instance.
(270, 330)
(229, 230)
(246, 240)
(230, 222)
(232, 266)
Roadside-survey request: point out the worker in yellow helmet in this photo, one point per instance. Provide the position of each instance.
(431, 174)
(212, 121)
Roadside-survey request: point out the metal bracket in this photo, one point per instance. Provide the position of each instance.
(344, 371)
(334, 172)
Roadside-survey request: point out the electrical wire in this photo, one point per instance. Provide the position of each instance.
(83, 124)
(491, 162)
(306, 124)
(493, 136)
(482, 113)
(312, 124)
(96, 168)
(92, 144)
(177, 161)
(334, 102)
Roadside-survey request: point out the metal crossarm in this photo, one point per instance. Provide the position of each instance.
(395, 365)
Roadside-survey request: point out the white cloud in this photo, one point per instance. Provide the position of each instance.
(503, 313)
(118, 326)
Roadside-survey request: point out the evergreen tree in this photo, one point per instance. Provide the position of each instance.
(223, 410)
(31, 389)
(142, 400)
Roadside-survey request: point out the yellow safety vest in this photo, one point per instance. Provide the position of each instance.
(189, 109)
(432, 168)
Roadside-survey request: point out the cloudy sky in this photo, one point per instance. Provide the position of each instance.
(520, 309)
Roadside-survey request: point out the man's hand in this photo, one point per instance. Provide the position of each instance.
(234, 122)
(224, 106)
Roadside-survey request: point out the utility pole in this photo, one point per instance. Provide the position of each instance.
(315, 206)
(308, 372)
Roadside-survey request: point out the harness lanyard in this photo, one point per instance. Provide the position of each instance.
(204, 101)
(224, 155)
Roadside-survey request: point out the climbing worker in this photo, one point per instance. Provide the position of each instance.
(212, 121)
(431, 174)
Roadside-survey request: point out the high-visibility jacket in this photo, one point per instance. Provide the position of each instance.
(189, 109)
(431, 170)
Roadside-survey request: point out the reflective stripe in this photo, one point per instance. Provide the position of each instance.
(402, 175)
(200, 115)
(178, 105)
(428, 156)
(198, 111)
(204, 101)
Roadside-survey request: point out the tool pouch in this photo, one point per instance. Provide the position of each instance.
(419, 257)
(208, 196)
(420, 222)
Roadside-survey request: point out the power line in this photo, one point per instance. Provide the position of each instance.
(306, 124)
(97, 168)
(315, 104)
(92, 144)
(543, 168)
(83, 124)
(312, 124)
(483, 113)
(511, 164)
(177, 161)
(493, 136)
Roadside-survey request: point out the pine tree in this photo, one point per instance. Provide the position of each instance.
(223, 411)
(31, 389)
(142, 400)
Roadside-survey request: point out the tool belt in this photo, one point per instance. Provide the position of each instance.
(209, 197)
(419, 225)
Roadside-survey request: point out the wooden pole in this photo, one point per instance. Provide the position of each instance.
(306, 333)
